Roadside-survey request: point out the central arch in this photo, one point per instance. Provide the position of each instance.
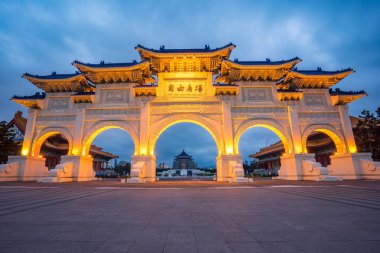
(103, 126)
(208, 124)
(268, 124)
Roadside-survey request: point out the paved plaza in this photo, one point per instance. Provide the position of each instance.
(264, 216)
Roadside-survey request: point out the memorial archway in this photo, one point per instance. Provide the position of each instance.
(201, 86)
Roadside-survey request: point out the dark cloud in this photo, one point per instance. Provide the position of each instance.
(40, 37)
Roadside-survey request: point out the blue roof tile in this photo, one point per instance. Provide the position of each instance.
(102, 64)
(206, 49)
(54, 75)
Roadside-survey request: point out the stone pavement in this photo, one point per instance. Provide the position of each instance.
(265, 216)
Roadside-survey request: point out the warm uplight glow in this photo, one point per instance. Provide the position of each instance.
(25, 152)
(75, 152)
(229, 150)
(298, 149)
(40, 156)
(143, 150)
(352, 149)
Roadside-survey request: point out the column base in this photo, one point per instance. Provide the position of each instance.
(291, 166)
(230, 169)
(143, 169)
(23, 168)
(354, 166)
(71, 169)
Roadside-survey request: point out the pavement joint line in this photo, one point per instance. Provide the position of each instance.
(205, 188)
(329, 199)
(40, 204)
(27, 187)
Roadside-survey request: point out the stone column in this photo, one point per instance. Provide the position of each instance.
(143, 165)
(295, 130)
(29, 132)
(291, 164)
(229, 148)
(78, 132)
(347, 129)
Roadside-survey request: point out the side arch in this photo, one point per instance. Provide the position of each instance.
(268, 124)
(105, 125)
(208, 124)
(332, 132)
(44, 134)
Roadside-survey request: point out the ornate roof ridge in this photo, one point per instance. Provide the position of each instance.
(338, 91)
(319, 71)
(103, 64)
(37, 95)
(53, 75)
(266, 62)
(206, 49)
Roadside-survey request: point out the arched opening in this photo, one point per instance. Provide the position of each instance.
(322, 145)
(261, 149)
(111, 149)
(52, 148)
(185, 151)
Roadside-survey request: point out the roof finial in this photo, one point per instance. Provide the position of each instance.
(319, 69)
(267, 59)
(53, 73)
(162, 48)
(207, 47)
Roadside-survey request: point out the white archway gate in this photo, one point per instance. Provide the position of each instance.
(200, 86)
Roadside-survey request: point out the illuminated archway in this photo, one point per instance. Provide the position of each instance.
(334, 134)
(268, 124)
(208, 124)
(103, 126)
(48, 132)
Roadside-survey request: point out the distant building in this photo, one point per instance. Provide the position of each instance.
(184, 161)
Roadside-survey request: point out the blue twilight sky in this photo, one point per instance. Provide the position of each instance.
(44, 36)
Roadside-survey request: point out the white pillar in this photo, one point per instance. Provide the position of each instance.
(347, 129)
(229, 148)
(295, 130)
(78, 132)
(29, 132)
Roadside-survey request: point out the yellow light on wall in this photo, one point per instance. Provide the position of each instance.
(75, 152)
(352, 149)
(229, 150)
(298, 149)
(143, 150)
(25, 152)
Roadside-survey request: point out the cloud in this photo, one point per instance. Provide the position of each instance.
(40, 38)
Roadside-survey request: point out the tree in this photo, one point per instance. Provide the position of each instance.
(7, 144)
(367, 133)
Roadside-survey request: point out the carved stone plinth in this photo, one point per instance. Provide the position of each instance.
(143, 169)
(291, 166)
(353, 166)
(230, 168)
(23, 168)
(82, 169)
